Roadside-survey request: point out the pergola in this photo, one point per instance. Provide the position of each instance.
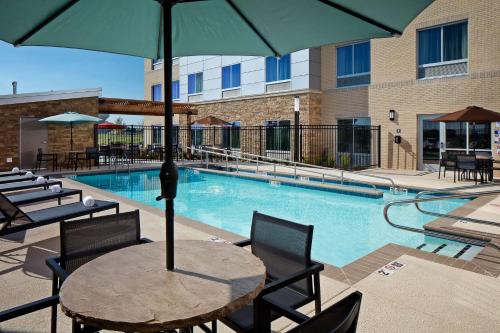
(142, 107)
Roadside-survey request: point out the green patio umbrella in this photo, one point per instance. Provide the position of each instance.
(71, 118)
(198, 27)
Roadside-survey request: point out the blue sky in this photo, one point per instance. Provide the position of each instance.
(48, 68)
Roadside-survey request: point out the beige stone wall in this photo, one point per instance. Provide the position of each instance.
(395, 84)
(58, 135)
(347, 102)
(152, 77)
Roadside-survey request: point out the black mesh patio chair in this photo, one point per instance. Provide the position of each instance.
(466, 164)
(26, 185)
(447, 162)
(19, 220)
(91, 154)
(85, 240)
(41, 158)
(292, 276)
(341, 317)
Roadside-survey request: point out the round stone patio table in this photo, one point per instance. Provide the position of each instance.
(130, 290)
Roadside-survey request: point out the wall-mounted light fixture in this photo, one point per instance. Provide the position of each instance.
(392, 115)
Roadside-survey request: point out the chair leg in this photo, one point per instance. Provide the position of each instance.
(53, 310)
(317, 294)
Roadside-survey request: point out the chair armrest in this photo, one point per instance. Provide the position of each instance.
(25, 309)
(55, 267)
(285, 311)
(145, 240)
(315, 268)
(243, 243)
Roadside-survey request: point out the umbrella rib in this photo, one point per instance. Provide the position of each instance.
(42, 24)
(252, 26)
(361, 17)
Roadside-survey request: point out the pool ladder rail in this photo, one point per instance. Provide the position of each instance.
(259, 160)
(447, 194)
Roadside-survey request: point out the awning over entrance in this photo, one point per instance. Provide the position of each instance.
(141, 107)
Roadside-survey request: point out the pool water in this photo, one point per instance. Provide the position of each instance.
(346, 227)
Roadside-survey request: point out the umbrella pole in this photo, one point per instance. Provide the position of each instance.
(168, 173)
(71, 136)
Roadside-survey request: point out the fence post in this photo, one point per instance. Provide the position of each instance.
(379, 145)
(131, 146)
(260, 141)
(300, 142)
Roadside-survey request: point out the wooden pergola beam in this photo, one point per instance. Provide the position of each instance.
(141, 107)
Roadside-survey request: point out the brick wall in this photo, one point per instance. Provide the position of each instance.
(394, 72)
(58, 135)
(256, 110)
(348, 102)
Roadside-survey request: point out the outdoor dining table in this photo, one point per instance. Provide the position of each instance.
(130, 290)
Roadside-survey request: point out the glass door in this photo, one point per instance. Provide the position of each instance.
(431, 142)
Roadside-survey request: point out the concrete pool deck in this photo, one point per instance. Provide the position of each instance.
(423, 295)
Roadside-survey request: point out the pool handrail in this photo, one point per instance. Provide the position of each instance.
(452, 191)
(361, 173)
(464, 239)
(238, 158)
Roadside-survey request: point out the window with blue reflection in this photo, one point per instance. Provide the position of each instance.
(231, 76)
(353, 59)
(278, 69)
(195, 83)
(156, 93)
(176, 93)
(443, 43)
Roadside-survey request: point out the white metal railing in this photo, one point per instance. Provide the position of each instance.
(418, 199)
(393, 185)
(295, 167)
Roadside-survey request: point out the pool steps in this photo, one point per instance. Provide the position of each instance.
(449, 251)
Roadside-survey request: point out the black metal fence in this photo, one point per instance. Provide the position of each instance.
(345, 147)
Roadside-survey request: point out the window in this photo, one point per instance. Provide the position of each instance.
(231, 76)
(156, 64)
(459, 135)
(156, 93)
(353, 64)
(231, 136)
(278, 69)
(157, 134)
(278, 135)
(176, 93)
(195, 83)
(196, 135)
(443, 50)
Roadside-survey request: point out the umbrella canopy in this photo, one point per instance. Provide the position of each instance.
(223, 27)
(211, 121)
(71, 118)
(471, 114)
(110, 125)
(167, 28)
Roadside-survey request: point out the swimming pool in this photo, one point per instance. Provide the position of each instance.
(346, 227)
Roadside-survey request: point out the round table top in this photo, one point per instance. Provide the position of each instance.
(131, 290)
